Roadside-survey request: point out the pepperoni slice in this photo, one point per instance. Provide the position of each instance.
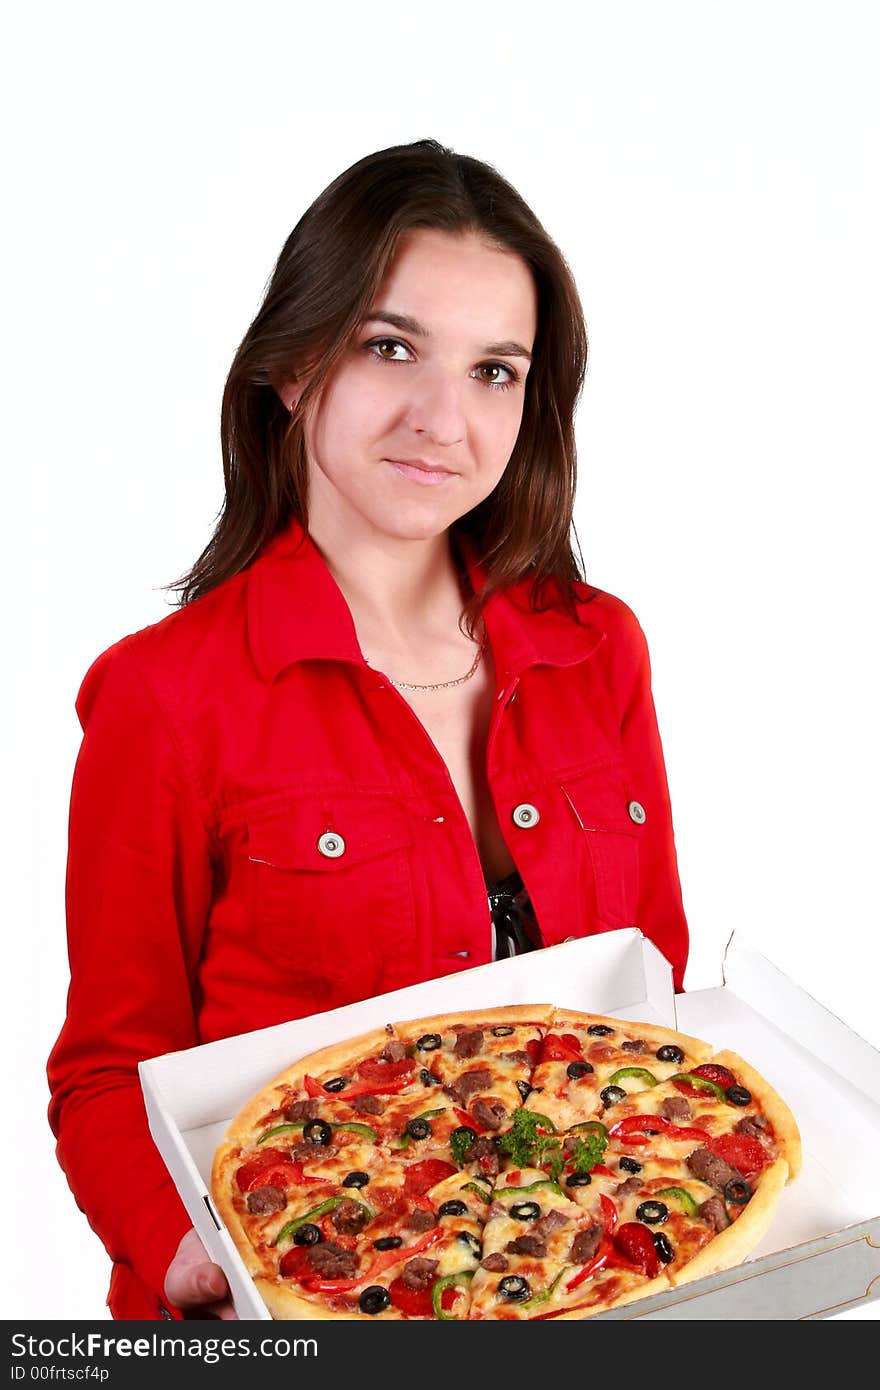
(295, 1263)
(561, 1049)
(375, 1069)
(251, 1170)
(741, 1151)
(709, 1071)
(282, 1175)
(415, 1303)
(425, 1175)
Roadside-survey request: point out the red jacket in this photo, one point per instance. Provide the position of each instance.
(221, 746)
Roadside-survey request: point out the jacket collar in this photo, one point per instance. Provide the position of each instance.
(297, 612)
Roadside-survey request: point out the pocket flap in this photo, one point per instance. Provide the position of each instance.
(599, 801)
(366, 827)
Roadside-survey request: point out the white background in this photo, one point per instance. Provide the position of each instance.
(709, 170)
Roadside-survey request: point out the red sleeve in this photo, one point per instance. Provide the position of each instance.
(139, 879)
(661, 913)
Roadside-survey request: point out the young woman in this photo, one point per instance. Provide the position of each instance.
(390, 733)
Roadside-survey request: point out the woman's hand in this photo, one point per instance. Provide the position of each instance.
(194, 1282)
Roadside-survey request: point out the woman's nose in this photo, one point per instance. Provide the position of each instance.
(437, 409)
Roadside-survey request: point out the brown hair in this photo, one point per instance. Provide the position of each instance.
(323, 285)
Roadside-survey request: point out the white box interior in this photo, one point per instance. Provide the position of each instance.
(828, 1076)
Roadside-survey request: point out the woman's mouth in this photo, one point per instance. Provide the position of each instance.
(420, 472)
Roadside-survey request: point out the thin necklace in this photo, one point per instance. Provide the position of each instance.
(442, 685)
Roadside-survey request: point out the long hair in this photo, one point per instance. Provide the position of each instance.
(322, 287)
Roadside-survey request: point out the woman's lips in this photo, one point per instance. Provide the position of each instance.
(418, 473)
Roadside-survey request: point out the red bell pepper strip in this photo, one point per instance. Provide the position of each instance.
(468, 1120)
(386, 1258)
(655, 1124)
(609, 1213)
(359, 1088)
(600, 1168)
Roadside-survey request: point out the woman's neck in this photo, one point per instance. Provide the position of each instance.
(404, 589)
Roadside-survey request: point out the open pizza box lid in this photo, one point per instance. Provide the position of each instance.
(822, 1251)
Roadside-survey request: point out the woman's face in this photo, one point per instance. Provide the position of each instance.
(417, 422)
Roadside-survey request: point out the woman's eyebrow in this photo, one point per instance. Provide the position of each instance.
(406, 324)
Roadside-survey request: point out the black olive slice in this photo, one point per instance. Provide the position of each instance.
(524, 1089)
(307, 1234)
(428, 1078)
(356, 1179)
(317, 1132)
(429, 1042)
(502, 1031)
(374, 1299)
(337, 1083)
(575, 1070)
(514, 1288)
(738, 1192)
(578, 1180)
(468, 1239)
(612, 1094)
(652, 1213)
(387, 1243)
(418, 1129)
(663, 1247)
(452, 1208)
(738, 1095)
(525, 1211)
(599, 1030)
(669, 1053)
(629, 1165)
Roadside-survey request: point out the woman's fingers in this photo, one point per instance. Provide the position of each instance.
(194, 1281)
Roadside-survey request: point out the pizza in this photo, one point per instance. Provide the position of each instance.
(513, 1163)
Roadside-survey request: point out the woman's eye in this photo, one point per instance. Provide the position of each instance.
(388, 349)
(496, 374)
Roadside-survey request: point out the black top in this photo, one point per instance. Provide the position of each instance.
(514, 926)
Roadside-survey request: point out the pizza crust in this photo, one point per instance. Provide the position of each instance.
(788, 1138)
(731, 1246)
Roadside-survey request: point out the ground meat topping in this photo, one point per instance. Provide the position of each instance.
(708, 1167)
(637, 1045)
(469, 1084)
(419, 1273)
(496, 1263)
(469, 1042)
(585, 1245)
(522, 1059)
(632, 1184)
(483, 1152)
(527, 1245)
(301, 1110)
(712, 1210)
(675, 1108)
(367, 1105)
(491, 1114)
(312, 1153)
(553, 1221)
(349, 1218)
(497, 1209)
(332, 1261)
(420, 1219)
(753, 1125)
(265, 1199)
(393, 1051)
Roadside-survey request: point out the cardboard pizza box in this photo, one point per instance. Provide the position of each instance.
(822, 1251)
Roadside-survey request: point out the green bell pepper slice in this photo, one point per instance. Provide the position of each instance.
(547, 1293)
(700, 1083)
(689, 1206)
(637, 1074)
(447, 1282)
(353, 1127)
(531, 1187)
(320, 1210)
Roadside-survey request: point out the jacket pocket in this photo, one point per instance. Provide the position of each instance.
(332, 891)
(599, 802)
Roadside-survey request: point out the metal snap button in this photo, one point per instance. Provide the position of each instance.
(525, 815)
(331, 845)
(636, 812)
